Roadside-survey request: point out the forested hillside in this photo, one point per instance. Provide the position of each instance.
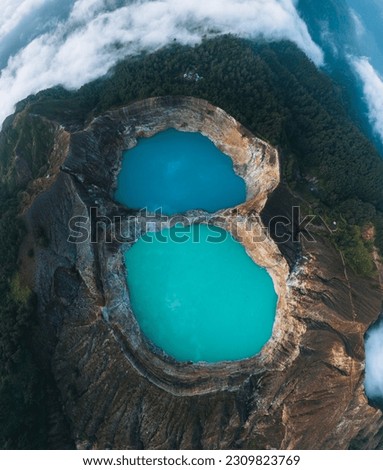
(276, 92)
(273, 89)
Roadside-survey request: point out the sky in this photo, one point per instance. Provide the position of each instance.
(368, 64)
(70, 42)
(373, 91)
(44, 43)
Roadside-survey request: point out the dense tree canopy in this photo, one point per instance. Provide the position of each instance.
(273, 89)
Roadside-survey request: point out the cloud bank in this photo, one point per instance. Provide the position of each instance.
(12, 12)
(82, 47)
(373, 92)
(374, 362)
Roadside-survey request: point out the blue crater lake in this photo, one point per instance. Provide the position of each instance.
(200, 298)
(178, 171)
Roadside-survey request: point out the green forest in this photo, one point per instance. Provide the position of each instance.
(271, 88)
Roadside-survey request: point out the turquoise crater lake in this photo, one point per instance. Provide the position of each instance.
(178, 171)
(201, 302)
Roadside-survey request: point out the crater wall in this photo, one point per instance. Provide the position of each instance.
(303, 391)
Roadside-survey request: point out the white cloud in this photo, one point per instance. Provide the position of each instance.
(373, 91)
(374, 362)
(13, 11)
(82, 48)
(359, 26)
(328, 37)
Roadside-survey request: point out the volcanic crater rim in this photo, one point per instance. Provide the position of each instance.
(257, 162)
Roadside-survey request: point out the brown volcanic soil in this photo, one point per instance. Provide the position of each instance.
(304, 390)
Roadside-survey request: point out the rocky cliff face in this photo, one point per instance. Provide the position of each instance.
(304, 390)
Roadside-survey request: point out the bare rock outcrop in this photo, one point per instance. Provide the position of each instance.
(303, 391)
